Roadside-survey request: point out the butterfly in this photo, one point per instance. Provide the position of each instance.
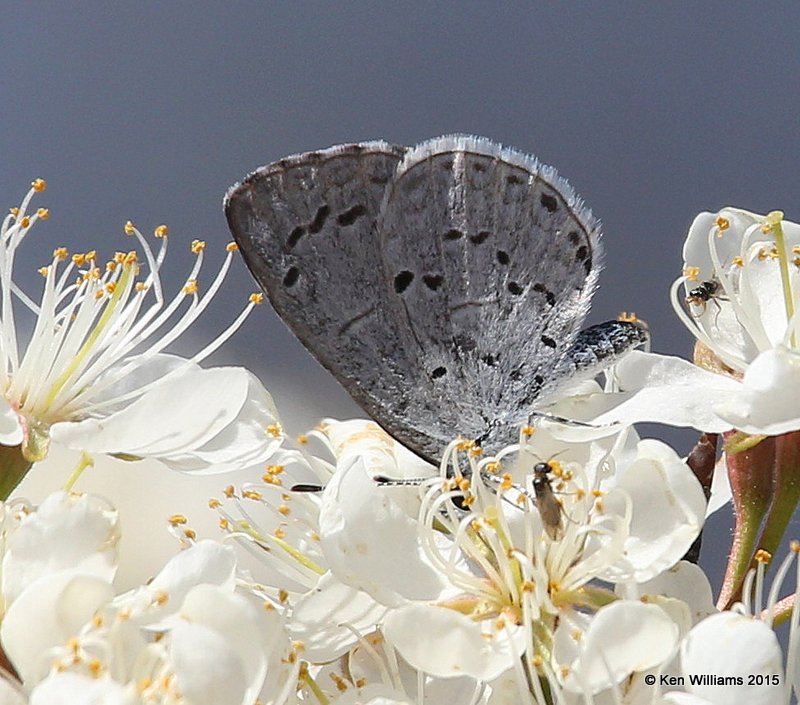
(443, 285)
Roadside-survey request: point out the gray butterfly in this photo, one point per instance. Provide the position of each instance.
(443, 285)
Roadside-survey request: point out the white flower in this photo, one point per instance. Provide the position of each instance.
(740, 297)
(479, 592)
(186, 637)
(66, 532)
(93, 374)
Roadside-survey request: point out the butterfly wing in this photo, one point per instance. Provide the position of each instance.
(440, 285)
(494, 260)
(306, 226)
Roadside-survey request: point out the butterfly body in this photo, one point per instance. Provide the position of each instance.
(443, 285)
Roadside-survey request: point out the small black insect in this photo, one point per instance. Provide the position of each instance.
(549, 507)
(703, 293)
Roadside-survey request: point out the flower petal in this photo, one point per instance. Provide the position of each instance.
(767, 402)
(668, 390)
(729, 645)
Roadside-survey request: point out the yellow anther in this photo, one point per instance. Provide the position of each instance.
(44, 271)
(252, 494)
(598, 493)
(314, 536)
(527, 586)
(279, 533)
(464, 444)
(160, 597)
(231, 247)
(39, 185)
(60, 253)
(111, 287)
(229, 491)
(99, 294)
(98, 621)
(506, 482)
(276, 469)
(600, 506)
(691, 273)
(284, 509)
(463, 484)
(214, 503)
(302, 439)
(198, 246)
(130, 258)
(79, 259)
(14, 211)
(794, 546)
(130, 228)
(274, 430)
(190, 534)
(723, 223)
(576, 634)
(527, 431)
(469, 500)
(565, 670)
(738, 261)
(25, 222)
(629, 317)
(178, 520)
(224, 524)
(42, 213)
(161, 231)
(141, 286)
(283, 595)
(762, 556)
(119, 257)
(73, 645)
(91, 255)
(476, 451)
(492, 466)
(256, 298)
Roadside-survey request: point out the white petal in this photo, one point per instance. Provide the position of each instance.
(768, 399)
(669, 390)
(10, 427)
(208, 671)
(177, 418)
(623, 638)
(731, 645)
(220, 645)
(370, 542)
(76, 689)
(206, 562)
(668, 510)
(77, 533)
(321, 619)
(47, 614)
(445, 643)
(684, 581)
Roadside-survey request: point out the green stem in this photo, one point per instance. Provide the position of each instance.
(86, 461)
(13, 467)
(785, 491)
(750, 473)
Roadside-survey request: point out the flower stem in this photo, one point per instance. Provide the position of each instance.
(785, 491)
(13, 467)
(750, 473)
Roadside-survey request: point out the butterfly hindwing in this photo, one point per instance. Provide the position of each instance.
(498, 260)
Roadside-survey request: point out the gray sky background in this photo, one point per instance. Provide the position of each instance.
(653, 111)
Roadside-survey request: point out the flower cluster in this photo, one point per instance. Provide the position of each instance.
(553, 572)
